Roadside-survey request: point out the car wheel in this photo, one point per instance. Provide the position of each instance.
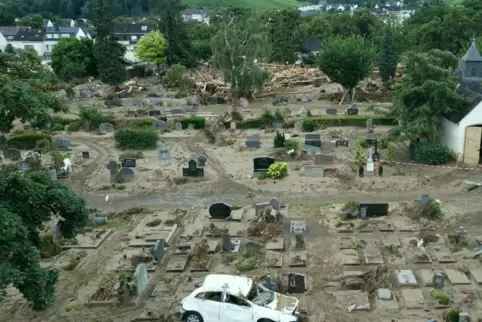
(192, 317)
(265, 320)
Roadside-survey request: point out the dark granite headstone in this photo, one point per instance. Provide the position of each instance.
(128, 163)
(226, 244)
(154, 112)
(375, 209)
(341, 143)
(262, 164)
(219, 210)
(86, 155)
(313, 140)
(192, 170)
(202, 160)
(331, 111)
(296, 283)
(159, 250)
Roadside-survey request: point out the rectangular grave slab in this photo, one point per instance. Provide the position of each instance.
(387, 241)
(250, 144)
(331, 111)
(262, 164)
(189, 172)
(419, 256)
(192, 230)
(345, 229)
(456, 277)
(405, 277)
(387, 303)
(313, 171)
(358, 299)
(347, 242)
(375, 209)
(443, 255)
(477, 274)
(386, 228)
(350, 257)
(298, 259)
(373, 256)
(324, 159)
(165, 288)
(141, 279)
(235, 229)
(198, 267)
(274, 259)
(275, 244)
(413, 298)
(426, 276)
(353, 273)
(177, 264)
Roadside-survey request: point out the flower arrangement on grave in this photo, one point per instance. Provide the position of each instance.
(391, 157)
(360, 159)
(277, 170)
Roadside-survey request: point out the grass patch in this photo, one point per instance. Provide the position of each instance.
(74, 307)
(113, 224)
(249, 261)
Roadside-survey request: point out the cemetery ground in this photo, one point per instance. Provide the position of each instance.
(345, 262)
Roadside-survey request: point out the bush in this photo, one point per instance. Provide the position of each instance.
(429, 153)
(291, 145)
(199, 122)
(139, 139)
(277, 170)
(57, 127)
(309, 125)
(350, 120)
(27, 141)
(279, 140)
(91, 118)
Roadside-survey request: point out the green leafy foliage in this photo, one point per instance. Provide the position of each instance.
(33, 21)
(429, 153)
(277, 170)
(391, 155)
(152, 48)
(27, 141)
(279, 140)
(309, 124)
(198, 122)
(176, 77)
(140, 139)
(91, 118)
(74, 58)
(360, 157)
(387, 58)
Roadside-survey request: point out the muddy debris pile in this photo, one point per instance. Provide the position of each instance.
(370, 281)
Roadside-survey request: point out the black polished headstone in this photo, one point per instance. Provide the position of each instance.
(376, 156)
(128, 163)
(296, 283)
(375, 209)
(219, 210)
(86, 155)
(192, 170)
(154, 112)
(262, 164)
(152, 95)
(341, 143)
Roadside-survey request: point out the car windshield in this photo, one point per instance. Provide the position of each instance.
(260, 295)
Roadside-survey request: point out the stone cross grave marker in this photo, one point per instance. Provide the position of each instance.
(178, 126)
(154, 113)
(232, 125)
(129, 163)
(462, 231)
(63, 143)
(160, 125)
(106, 128)
(159, 251)
(331, 111)
(53, 174)
(12, 154)
(253, 142)
(219, 210)
(113, 168)
(262, 164)
(85, 155)
(370, 125)
(126, 174)
(202, 160)
(141, 278)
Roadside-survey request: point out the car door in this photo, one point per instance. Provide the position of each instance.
(236, 309)
(210, 306)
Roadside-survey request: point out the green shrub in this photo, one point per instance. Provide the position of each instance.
(279, 140)
(27, 141)
(351, 120)
(277, 170)
(429, 153)
(309, 125)
(74, 126)
(291, 145)
(139, 139)
(363, 143)
(91, 118)
(57, 127)
(199, 122)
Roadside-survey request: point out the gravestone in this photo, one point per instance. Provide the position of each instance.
(298, 227)
(160, 125)
(243, 102)
(202, 160)
(152, 95)
(461, 232)
(261, 207)
(178, 126)
(375, 209)
(314, 171)
(85, 155)
(3, 141)
(313, 140)
(128, 163)
(438, 281)
(232, 125)
(226, 244)
(63, 144)
(106, 128)
(114, 169)
(28, 127)
(253, 142)
(352, 110)
(370, 163)
(136, 102)
(275, 204)
(370, 125)
(219, 210)
(341, 143)
(12, 154)
(53, 174)
(299, 125)
(190, 126)
(262, 164)
(277, 125)
(141, 279)
(176, 111)
(164, 155)
(159, 251)
(324, 159)
(192, 170)
(376, 156)
(423, 200)
(154, 113)
(303, 112)
(331, 111)
(126, 174)
(296, 283)
(305, 98)
(23, 165)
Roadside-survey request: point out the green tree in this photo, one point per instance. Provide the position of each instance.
(427, 94)
(200, 34)
(33, 21)
(25, 86)
(347, 61)
(360, 157)
(74, 58)
(284, 35)
(176, 77)
(7, 19)
(366, 22)
(387, 58)
(123, 19)
(152, 48)
(238, 49)
(108, 53)
(171, 25)
(391, 156)
(27, 201)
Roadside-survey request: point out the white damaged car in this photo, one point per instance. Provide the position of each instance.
(230, 298)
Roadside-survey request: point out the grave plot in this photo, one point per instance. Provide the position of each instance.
(458, 242)
(386, 228)
(366, 227)
(417, 255)
(152, 228)
(91, 239)
(347, 243)
(437, 298)
(275, 244)
(107, 290)
(477, 275)
(392, 250)
(405, 277)
(442, 255)
(413, 298)
(457, 277)
(386, 300)
(129, 258)
(344, 227)
(200, 259)
(464, 296)
(298, 258)
(177, 263)
(372, 254)
(274, 259)
(357, 300)
(159, 309)
(192, 230)
(166, 287)
(192, 282)
(69, 260)
(350, 257)
(234, 229)
(265, 225)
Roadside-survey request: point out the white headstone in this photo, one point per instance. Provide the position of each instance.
(233, 125)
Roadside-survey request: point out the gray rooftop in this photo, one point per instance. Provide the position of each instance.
(10, 31)
(472, 54)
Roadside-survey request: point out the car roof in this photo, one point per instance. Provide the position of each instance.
(232, 283)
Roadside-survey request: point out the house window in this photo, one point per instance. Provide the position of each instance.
(134, 38)
(473, 73)
(144, 28)
(64, 35)
(49, 36)
(56, 36)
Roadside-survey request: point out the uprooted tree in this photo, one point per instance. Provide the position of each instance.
(239, 47)
(27, 201)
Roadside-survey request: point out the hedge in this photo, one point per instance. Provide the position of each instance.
(199, 122)
(27, 141)
(429, 153)
(136, 123)
(140, 139)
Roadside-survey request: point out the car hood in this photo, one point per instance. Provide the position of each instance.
(283, 303)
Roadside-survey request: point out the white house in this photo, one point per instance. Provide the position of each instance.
(54, 34)
(29, 38)
(3, 42)
(462, 133)
(193, 15)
